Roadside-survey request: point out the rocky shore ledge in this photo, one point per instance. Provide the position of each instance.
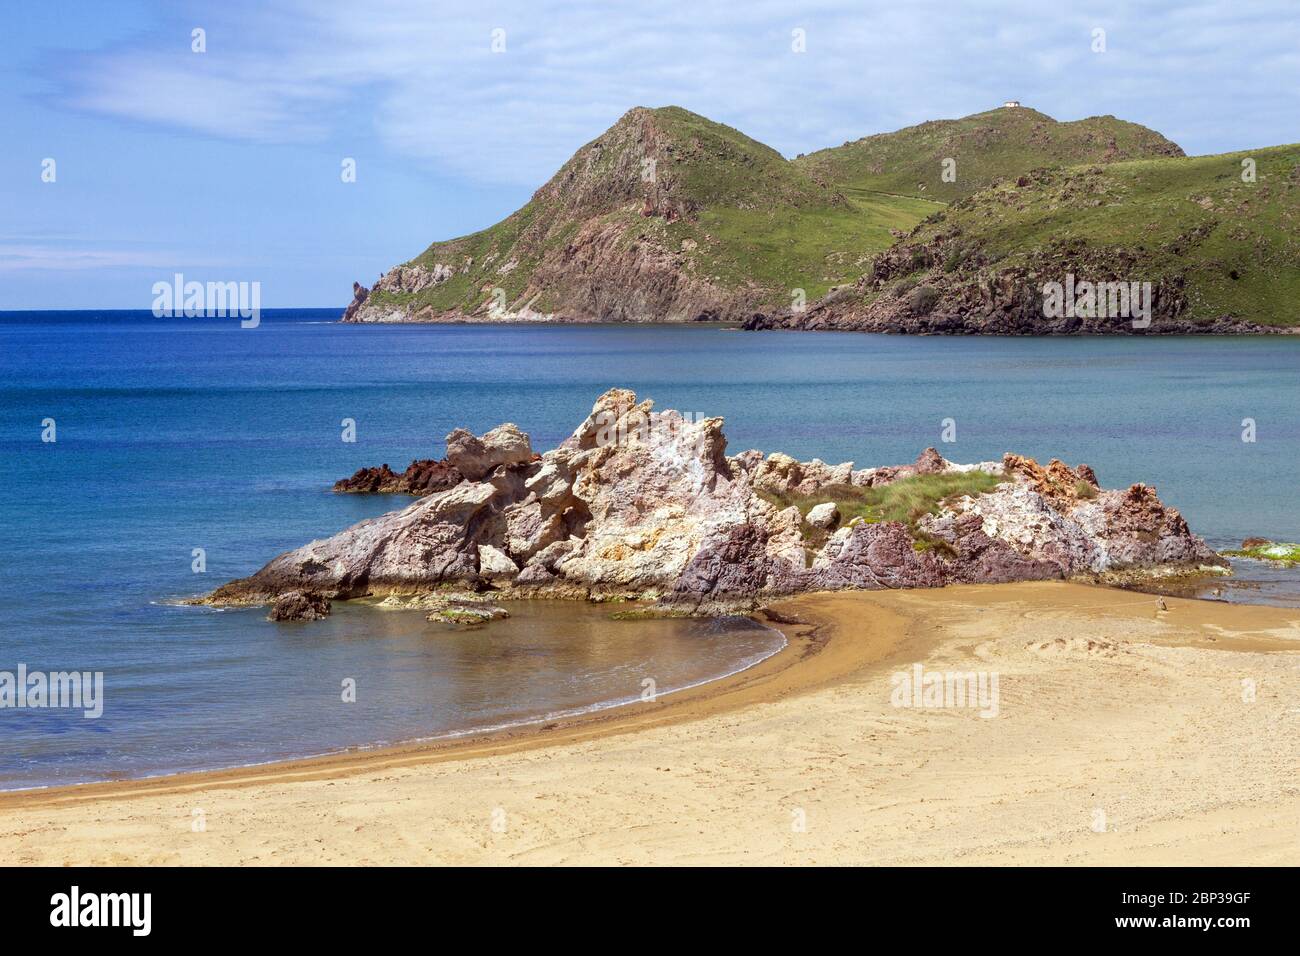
(645, 505)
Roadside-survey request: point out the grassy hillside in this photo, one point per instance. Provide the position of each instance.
(729, 215)
(668, 216)
(1230, 249)
(1004, 143)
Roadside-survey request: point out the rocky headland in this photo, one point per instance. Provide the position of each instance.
(648, 506)
(952, 227)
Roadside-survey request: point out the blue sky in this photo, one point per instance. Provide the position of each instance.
(225, 165)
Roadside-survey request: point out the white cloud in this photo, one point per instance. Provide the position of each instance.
(424, 82)
(25, 257)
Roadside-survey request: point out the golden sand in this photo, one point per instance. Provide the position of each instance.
(1124, 734)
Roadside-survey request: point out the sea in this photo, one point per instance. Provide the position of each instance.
(145, 460)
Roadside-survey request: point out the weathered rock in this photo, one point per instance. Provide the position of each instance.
(872, 557)
(300, 606)
(930, 462)
(781, 475)
(535, 575)
(494, 563)
(1057, 482)
(530, 528)
(825, 516)
(359, 295)
(476, 457)
(464, 611)
(644, 504)
(1134, 529)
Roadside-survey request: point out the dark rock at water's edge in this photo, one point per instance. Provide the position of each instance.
(300, 606)
(468, 457)
(359, 295)
(422, 477)
(645, 505)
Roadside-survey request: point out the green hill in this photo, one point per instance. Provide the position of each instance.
(1220, 253)
(667, 216)
(670, 217)
(1004, 143)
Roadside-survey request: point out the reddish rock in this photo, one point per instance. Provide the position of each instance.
(930, 462)
(1058, 482)
(872, 557)
(422, 477)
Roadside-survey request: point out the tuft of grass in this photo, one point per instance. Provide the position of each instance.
(924, 543)
(905, 501)
(1084, 490)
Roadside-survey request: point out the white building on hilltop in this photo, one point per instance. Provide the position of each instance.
(1011, 104)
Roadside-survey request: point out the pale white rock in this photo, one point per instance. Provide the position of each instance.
(777, 474)
(988, 467)
(553, 483)
(780, 474)
(1015, 513)
(834, 545)
(824, 516)
(785, 539)
(493, 563)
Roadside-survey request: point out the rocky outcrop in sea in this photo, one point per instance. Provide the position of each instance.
(644, 505)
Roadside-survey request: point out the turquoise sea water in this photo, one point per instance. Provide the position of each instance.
(176, 434)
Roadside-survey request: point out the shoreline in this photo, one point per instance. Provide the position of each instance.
(1107, 701)
(803, 640)
(449, 740)
(1259, 330)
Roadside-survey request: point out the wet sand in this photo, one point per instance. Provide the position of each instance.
(1124, 734)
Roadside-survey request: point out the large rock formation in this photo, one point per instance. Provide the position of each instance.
(644, 504)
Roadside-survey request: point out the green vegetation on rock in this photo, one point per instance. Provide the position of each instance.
(1288, 554)
(906, 500)
(1217, 246)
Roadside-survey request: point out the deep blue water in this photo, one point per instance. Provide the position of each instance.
(175, 434)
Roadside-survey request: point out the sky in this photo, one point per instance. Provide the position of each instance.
(226, 164)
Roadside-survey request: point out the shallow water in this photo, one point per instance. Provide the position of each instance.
(195, 688)
(177, 434)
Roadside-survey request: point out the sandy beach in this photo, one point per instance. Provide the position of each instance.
(1124, 734)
